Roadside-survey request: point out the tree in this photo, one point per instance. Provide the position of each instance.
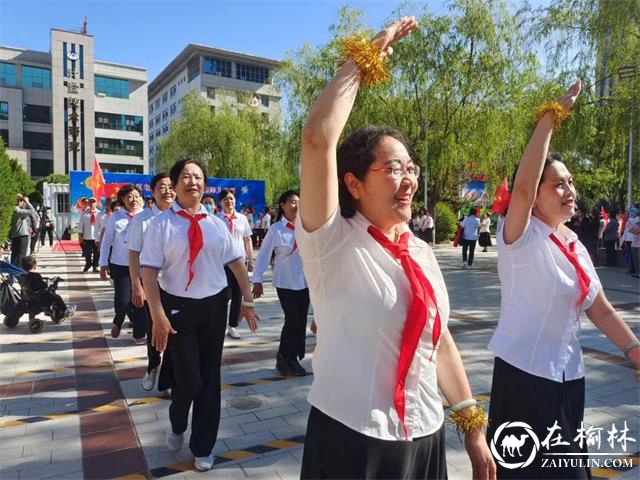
(232, 143)
(7, 192)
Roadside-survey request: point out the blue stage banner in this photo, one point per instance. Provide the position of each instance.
(248, 192)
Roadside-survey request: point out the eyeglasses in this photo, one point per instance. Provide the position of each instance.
(398, 170)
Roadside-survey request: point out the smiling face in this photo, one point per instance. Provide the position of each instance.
(381, 197)
(190, 185)
(132, 200)
(163, 193)
(556, 197)
(228, 203)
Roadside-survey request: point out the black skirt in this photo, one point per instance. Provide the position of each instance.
(484, 239)
(518, 396)
(333, 450)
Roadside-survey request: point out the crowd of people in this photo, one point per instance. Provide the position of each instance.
(385, 357)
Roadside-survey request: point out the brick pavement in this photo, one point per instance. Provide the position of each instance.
(71, 404)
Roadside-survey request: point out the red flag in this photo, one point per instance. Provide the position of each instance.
(96, 182)
(111, 189)
(501, 198)
(604, 215)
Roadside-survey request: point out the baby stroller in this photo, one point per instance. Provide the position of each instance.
(14, 302)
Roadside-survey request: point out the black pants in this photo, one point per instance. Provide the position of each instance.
(333, 450)
(44, 231)
(235, 295)
(47, 298)
(295, 304)
(629, 250)
(122, 301)
(196, 353)
(468, 245)
(91, 254)
(33, 241)
(19, 247)
(153, 355)
(518, 396)
(610, 246)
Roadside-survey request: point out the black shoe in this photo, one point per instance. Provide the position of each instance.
(295, 368)
(85, 269)
(95, 270)
(282, 366)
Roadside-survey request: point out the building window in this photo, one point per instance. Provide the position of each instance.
(112, 87)
(215, 66)
(7, 74)
(157, 104)
(165, 129)
(151, 108)
(114, 146)
(264, 100)
(157, 133)
(157, 120)
(211, 93)
(174, 109)
(194, 68)
(116, 168)
(151, 149)
(165, 97)
(114, 121)
(36, 113)
(36, 140)
(4, 134)
(41, 167)
(4, 111)
(151, 137)
(36, 77)
(172, 92)
(62, 202)
(252, 73)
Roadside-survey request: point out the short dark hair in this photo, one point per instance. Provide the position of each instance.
(283, 199)
(356, 154)
(156, 178)
(176, 170)
(225, 192)
(114, 204)
(29, 262)
(127, 189)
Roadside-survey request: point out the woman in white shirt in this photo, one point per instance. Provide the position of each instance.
(484, 240)
(379, 300)
(241, 232)
(114, 263)
(183, 258)
(547, 280)
(288, 279)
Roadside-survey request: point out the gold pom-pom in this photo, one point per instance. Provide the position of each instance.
(557, 111)
(366, 56)
(471, 421)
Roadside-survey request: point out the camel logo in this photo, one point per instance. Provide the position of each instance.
(512, 444)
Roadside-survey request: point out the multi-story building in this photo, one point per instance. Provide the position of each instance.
(219, 76)
(59, 110)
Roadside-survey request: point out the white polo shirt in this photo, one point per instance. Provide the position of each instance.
(241, 229)
(88, 230)
(470, 225)
(138, 227)
(287, 267)
(539, 329)
(115, 239)
(360, 296)
(166, 247)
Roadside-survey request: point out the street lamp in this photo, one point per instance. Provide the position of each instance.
(629, 71)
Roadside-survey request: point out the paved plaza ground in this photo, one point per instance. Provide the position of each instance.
(71, 403)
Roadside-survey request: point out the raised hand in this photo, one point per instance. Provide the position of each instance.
(569, 98)
(393, 33)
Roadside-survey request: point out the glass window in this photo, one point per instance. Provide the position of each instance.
(157, 104)
(41, 167)
(114, 146)
(116, 168)
(112, 87)
(115, 121)
(194, 68)
(151, 108)
(252, 73)
(36, 113)
(7, 74)
(165, 97)
(4, 134)
(174, 109)
(215, 66)
(36, 77)
(264, 99)
(173, 91)
(62, 200)
(4, 111)
(36, 140)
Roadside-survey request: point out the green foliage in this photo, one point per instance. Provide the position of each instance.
(7, 192)
(23, 180)
(232, 143)
(445, 223)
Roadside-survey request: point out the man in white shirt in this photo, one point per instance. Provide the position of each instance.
(470, 224)
(88, 233)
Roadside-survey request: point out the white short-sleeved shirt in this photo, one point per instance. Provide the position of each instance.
(166, 247)
(138, 227)
(470, 225)
(241, 229)
(485, 225)
(88, 230)
(539, 327)
(115, 239)
(287, 267)
(631, 237)
(265, 221)
(360, 296)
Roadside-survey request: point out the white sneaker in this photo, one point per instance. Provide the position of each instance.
(175, 441)
(468, 267)
(149, 380)
(204, 463)
(465, 265)
(233, 333)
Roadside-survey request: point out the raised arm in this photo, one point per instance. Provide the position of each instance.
(530, 169)
(320, 135)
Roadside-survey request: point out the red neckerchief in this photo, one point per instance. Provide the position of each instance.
(422, 297)
(572, 256)
(93, 218)
(291, 226)
(196, 240)
(230, 219)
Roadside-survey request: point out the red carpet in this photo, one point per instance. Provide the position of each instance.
(67, 246)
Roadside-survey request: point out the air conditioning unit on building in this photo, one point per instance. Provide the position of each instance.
(101, 94)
